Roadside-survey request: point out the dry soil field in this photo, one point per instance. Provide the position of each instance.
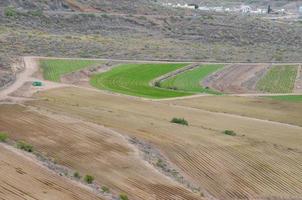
(267, 154)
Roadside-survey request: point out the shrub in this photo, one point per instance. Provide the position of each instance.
(181, 121)
(229, 132)
(3, 137)
(123, 197)
(10, 12)
(157, 84)
(77, 175)
(88, 179)
(105, 189)
(24, 146)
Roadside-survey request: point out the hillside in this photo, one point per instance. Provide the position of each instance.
(140, 30)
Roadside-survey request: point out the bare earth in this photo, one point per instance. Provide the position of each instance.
(237, 78)
(22, 179)
(298, 84)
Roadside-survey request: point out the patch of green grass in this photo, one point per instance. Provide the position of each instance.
(229, 132)
(190, 80)
(279, 79)
(24, 146)
(134, 79)
(53, 69)
(291, 98)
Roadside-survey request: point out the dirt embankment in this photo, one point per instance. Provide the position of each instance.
(237, 78)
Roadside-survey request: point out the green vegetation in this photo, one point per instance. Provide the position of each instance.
(229, 132)
(3, 137)
(134, 79)
(181, 121)
(190, 80)
(10, 11)
(279, 79)
(291, 98)
(53, 69)
(89, 179)
(105, 189)
(123, 197)
(77, 175)
(24, 146)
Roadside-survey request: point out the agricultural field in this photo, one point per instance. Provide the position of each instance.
(237, 78)
(190, 80)
(291, 98)
(135, 79)
(201, 151)
(279, 79)
(21, 178)
(53, 69)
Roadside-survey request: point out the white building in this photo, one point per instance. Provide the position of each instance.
(245, 9)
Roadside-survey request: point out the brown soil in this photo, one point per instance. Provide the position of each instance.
(91, 149)
(203, 153)
(23, 179)
(237, 78)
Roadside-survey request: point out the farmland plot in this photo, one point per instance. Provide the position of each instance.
(200, 150)
(53, 69)
(237, 78)
(191, 80)
(91, 149)
(134, 79)
(279, 79)
(22, 179)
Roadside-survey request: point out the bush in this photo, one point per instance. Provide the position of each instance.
(157, 84)
(3, 137)
(229, 132)
(181, 121)
(105, 189)
(10, 12)
(24, 146)
(123, 197)
(77, 175)
(88, 179)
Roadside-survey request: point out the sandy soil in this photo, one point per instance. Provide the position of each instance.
(23, 179)
(201, 150)
(237, 78)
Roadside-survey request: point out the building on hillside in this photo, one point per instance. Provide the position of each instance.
(245, 9)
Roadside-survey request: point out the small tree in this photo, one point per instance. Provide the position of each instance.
(123, 197)
(157, 84)
(89, 179)
(3, 137)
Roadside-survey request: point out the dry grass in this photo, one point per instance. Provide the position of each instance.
(21, 179)
(264, 159)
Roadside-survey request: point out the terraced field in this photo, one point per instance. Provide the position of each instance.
(200, 150)
(134, 79)
(279, 79)
(190, 81)
(53, 69)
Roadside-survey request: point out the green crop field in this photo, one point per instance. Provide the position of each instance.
(134, 79)
(279, 79)
(292, 98)
(190, 80)
(53, 69)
